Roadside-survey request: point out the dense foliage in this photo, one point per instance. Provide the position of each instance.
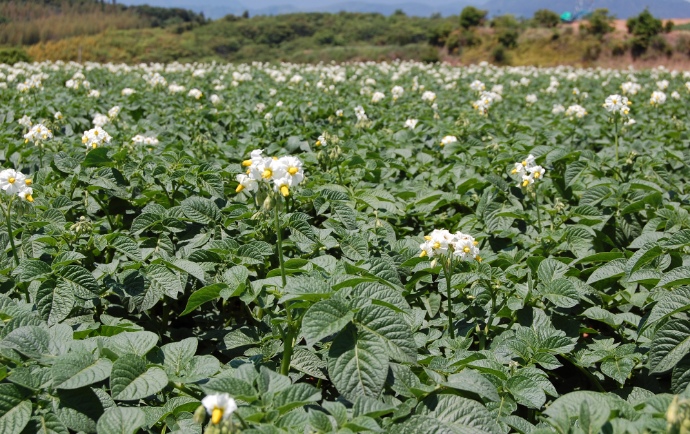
(138, 276)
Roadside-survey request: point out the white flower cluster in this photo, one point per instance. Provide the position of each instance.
(94, 94)
(397, 92)
(411, 123)
(576, 110)
(531, 98)
(95, 137)
(617, 104)
(658, 98)
(147, 140)
(321, 141)
(77, 80)
(377, 96)
(113, 112)
(444, 243)
(215, 99)
(25, 121)
(195, 93)
(483, 104)
(631, 88)
(361, 115)
(428, 96)
(477, 86)
(283, 172)
(529, 171)
(675, 95)
(557, 108)
(662, 85)
(175, 88)
(219, 406)
(128, 91)
(100, 120)
(13, 182)
(37, 134)
(447, 140)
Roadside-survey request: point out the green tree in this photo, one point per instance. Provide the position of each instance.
(600, 23)
(472, 17)
(546, 18)
(438, 34)
(644, 25)
(506, 21)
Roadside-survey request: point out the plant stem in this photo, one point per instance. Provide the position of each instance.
(287, 351)
(536, 200)
(589, 375)
(279, 247)
(340, 175)
(449, 275)
(107, 214)
(10, 232)
(615, 122)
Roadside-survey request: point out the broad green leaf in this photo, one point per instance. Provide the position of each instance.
(472, 381)
(296, 395)
(97, 158)
(200, 210)
(79, 369)
(643, 257)
(31, 341)
(671, 303)
(392, 329)
(676, 277)
(235, 387)
(325, 318)
(617, 368)
(138, 343)
(526, 392)
(670, 344)
(54, 302)
(78, 280)
(130, 380)
(357, 363)
(203, 295)
(561, 292)
(176, 355)
(46, 423)
(80, 409)
(119, 420)
(126, 246)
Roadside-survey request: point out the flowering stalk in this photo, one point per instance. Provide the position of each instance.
(8, 219)
(615, 122)
(279, 247)
(448, 271)
(536, 200)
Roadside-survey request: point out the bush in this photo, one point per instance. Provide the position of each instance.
(11, 56)
(592, 52)
(644, 27)
(431, 55)
(508, 38)
(599, 23)
(683, 44)
(507, 21)
(668, 28)
(619, 48)
(546, 18)
(453, 43)
(660, 45)
(468, 38)
(472, 17)
(438, 34)
(499, 55)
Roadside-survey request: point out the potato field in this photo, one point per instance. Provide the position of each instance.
(399, 248)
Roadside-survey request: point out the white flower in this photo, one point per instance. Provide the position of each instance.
(94, 94)
(525, 81)
(128, 91)
(531, 98)
(272, 92)
(465, 247)
(428, 96)
(195, 93)
(260, 107)
(38, 133)
(151, 140)
(339, 113)
(631, 121)
(448, 140)
(557, 108)
(497, 89)
(268, 116)
(174, 88)
(397, 92)
(436, 243)
(95, 137)
(576, 110)
(359, 112)
(411, 123)
(279, 104)
(26, 193)
(377, 96)
(662, 85)
(12, 182)
(58, 115)
(138, 139)
(477, 86)
(630, 87)
(536, 172)
(524, 165)
(687, 85)
(246, 182)
(219, 406)
(114, 111)
(657, 98)
(321, 141)
(576, 91)
(675, 95)
(440, 242)
(25, 121)
(215, 99)
(99, 120)
(617, 103)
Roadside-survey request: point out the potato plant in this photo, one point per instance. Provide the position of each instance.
(462, 254)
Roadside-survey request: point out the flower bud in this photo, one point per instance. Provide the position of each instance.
(200, 415)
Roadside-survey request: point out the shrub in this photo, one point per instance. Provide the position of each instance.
(592, 52)
(431, 55)
(468, 38)
(618, 48)
(499, 55)
(644, 27)
(668, 28)
(546, 18)
(505, 21)
(472, 17)
(683, 44)
(453, 43)
(599, 23)
(11, 56)
(508, 38)
(660, 45)
(438, 34)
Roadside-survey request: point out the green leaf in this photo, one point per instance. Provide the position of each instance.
(32, 269)
(325, 318)
(80, 409)
(526, 392)
(305, 361)
(466, 415)
(31, 341)
(138, 343)
(670, 344)
(97, 158)
(672, 302)
(236, 278)
(119, 420)
(617, 368)
(614, 269)
(561, 292)
(203, 295)
(676, 277)
(131, 380)
(15, 411)
(176, 355)
(78, 280)
(472, 381)
(296, 395)
(677, 240)
(344, 214)
(551, 269)
(392, 329)
(78, 369)
(46, 423)
(235, 387)
(357, 363)
(161, 276)
(200, 210)
(643, 257)
(127, 246)
(54, 302)
(573, 172)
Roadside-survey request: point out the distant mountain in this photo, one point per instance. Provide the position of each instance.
(525, 8)
(621, 8)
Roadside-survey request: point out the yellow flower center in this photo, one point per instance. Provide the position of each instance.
(94, 146)
(45, 136)
(84, 140)
(318, 143)
(284, 190)
(267, 174)
(479, 259)
(95, 133)
(11, 180)
(475, 242)
(536, 174)
(275, 158)
(466, 250)
(293, 170)
(216, 415)
(423, 254)
(514, 171)
(525, 184)
(428, 238)
(524, 163)
(248, 171)
(437, 245)
(247, 163)
(29, 198)
(239, 188)
(28, 182)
